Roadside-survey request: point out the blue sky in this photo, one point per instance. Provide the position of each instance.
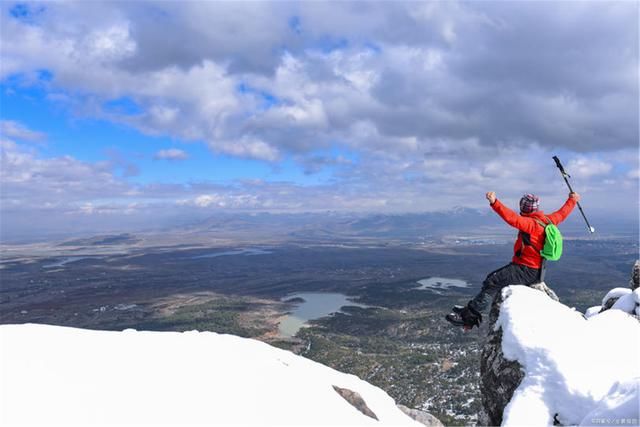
(293, 107)
(92, 140)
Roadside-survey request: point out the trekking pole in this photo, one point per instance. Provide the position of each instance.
(565, 175)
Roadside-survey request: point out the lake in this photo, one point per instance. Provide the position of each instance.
(249, 251)
(66, 260)
(441, 284)
(315, 306)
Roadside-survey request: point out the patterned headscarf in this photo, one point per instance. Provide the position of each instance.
(529, 203)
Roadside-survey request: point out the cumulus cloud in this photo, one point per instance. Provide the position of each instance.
(14, 130)
(411, 71)
(243, 201)
(583, 167)
(171, 154)
(31, 181)
(65, 194)
(434, 101)
(314, 164)
(248, 147)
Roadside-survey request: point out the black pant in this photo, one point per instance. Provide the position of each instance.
(510, 274)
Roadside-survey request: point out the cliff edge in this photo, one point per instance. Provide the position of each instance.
(547, 364)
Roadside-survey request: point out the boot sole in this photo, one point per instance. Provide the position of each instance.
(454, 320)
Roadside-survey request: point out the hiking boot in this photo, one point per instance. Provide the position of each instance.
(466, 317)
(458, 309)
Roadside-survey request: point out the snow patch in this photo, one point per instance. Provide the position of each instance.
(592, 311)
(622, 400)
(52, 375)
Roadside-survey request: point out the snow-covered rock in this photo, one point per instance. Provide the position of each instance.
(542, 286)
(422, 417)
(629, 303)
(612, 296)
(624, 299)
(53, 375)
(555, 367)
(499, 376)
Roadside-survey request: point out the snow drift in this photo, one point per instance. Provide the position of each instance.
(580, 371)
(65, 376)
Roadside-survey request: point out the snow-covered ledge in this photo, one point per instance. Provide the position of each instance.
(54, 375)
(574, 371)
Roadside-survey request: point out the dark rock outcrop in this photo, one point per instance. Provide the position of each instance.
(634, 282)
(499, 377)
(608, 304)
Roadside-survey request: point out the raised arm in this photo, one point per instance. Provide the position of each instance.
(561, 214)
(510, 217)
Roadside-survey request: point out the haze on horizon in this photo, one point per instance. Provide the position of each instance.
(118, 115)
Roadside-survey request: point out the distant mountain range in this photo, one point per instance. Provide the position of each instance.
(101, 240)
(406, 227)
(331, 225)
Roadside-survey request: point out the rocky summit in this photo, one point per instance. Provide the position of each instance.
(539, 363)
(499, 376)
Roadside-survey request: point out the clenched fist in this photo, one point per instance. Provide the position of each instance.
(491, 197)
(575, 196)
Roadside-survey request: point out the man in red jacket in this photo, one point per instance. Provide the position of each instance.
(526, 266)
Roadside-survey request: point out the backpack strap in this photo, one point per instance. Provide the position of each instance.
(526, 237)
(544, 225)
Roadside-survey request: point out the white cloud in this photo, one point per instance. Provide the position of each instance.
(583, 167)
(109, 45)
(445, 71)
(248, 147)
(171, 154)
(33, 181)
(65, 194)
(233, 201)
(435, 102)
(14, 130)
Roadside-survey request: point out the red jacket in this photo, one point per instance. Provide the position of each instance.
(529, 255)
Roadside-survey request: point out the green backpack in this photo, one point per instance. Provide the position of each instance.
(552, 249)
